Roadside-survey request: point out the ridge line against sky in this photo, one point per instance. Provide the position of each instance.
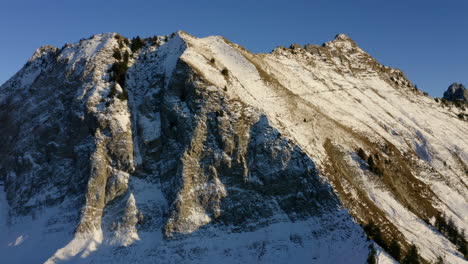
(426, 39)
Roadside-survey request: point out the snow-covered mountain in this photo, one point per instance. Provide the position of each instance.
(177, 149)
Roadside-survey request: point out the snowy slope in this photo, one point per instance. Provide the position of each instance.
(293, 86)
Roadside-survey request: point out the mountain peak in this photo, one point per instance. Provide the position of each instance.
(456, 92)
(343, 37)
(42, 51)
(343, 42)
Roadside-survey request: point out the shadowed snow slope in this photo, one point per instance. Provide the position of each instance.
(176, 149)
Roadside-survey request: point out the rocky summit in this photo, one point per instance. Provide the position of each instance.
(177, 149)
(456, 92)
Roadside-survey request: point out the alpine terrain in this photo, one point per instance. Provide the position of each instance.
(177, 149)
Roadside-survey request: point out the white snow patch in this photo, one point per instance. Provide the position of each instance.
(382, 257)
(19, 240)
(129, 234)
(81, 246)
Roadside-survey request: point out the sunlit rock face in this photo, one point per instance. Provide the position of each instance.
(175, 149)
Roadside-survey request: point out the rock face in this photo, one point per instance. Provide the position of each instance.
(456, 92)
(178, 149)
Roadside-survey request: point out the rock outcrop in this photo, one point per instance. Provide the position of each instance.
(456, 93)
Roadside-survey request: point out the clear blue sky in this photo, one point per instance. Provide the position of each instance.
(428, 40)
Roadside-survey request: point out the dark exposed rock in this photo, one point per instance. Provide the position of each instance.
(295, 46)
(456, 93)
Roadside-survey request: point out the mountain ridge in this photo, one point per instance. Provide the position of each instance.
(189, 99)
